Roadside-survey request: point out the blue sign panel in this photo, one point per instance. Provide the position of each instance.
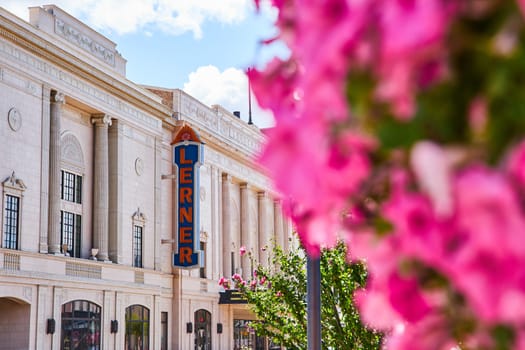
(187, 158)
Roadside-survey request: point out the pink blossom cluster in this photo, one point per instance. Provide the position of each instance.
(454, 255)
(310, 148)
(476, 243)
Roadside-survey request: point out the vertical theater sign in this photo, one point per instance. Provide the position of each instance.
(187, 158)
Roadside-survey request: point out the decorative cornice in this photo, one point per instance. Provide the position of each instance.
(72, 66)
(14, 183)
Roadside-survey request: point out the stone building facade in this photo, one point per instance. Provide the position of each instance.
(87, 187)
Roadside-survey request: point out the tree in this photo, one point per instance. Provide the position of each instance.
(277, 296)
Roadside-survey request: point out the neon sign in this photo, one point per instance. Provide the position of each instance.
(187, 158)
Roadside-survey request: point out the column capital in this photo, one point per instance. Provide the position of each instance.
(262, 195)
(226, 177)
(57, 97)
(101, 120)
(246, 186)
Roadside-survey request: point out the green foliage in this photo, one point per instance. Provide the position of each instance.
(277, 295)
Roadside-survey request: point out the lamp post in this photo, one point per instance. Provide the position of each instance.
(313, 330)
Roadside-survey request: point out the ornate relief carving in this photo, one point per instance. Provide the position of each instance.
(14, 118)
(83, 41)
(14, 183)
(71, 151)
(57, 97)
(139, 216)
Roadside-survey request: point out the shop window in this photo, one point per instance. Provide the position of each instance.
(137, 328)
(80, 326)
(202, 330)
(163, 330)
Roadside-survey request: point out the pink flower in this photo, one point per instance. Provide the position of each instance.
(279, 293)
(242, 250)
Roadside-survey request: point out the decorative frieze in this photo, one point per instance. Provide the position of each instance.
(83, 41)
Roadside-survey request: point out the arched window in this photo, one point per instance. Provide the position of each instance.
(137, 328)
(80, 325)
(202, 330)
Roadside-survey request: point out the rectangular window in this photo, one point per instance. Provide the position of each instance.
(137, 246)
(202, 269)
(12, 214)
(232, 263)
(70, 230)
(163, 330)
(71, 187)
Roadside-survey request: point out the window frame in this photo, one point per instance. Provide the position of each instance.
(138, 220)
(74, 243)
(14, 187)
(138, 246)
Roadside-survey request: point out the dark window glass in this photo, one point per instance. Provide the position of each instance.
(11, 221)
(202, 330)
(80, 326)
(202, 269)
(71, 187)
(70, 230)
(163, 330)
(137, 246)
(137, 328)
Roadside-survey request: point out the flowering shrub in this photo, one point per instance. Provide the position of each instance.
(277, 296)
(400, 127)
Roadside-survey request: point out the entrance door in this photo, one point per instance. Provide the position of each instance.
(202, 330)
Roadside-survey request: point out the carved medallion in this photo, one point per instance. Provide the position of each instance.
(139, 166)
(14, 118)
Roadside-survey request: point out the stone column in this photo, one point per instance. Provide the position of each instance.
(101, 186)
(53, 238)
(247, 236)
(264, 236)
(278, 224)
(226, 225)
(116, 191)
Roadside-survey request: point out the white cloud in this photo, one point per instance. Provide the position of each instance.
(229, 89)
(171, 16)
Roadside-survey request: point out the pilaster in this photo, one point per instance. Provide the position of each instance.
(44, 170)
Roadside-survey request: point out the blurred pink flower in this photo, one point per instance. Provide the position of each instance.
(242, 250)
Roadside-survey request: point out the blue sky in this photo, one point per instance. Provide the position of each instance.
(200, 46)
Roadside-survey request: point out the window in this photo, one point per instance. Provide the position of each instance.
(11, 219)
(70, 231)
(202, 329)
(202, 269)
(80, 325)
(137, 328)
(232, 272)
(163, 330)
(13, 190)
(137, 246)
(71, 187)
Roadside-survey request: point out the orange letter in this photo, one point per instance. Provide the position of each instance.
(184, 254)
(185, 194)
(185, 215)
(185, 175)
(184, 236)
(183, 159)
